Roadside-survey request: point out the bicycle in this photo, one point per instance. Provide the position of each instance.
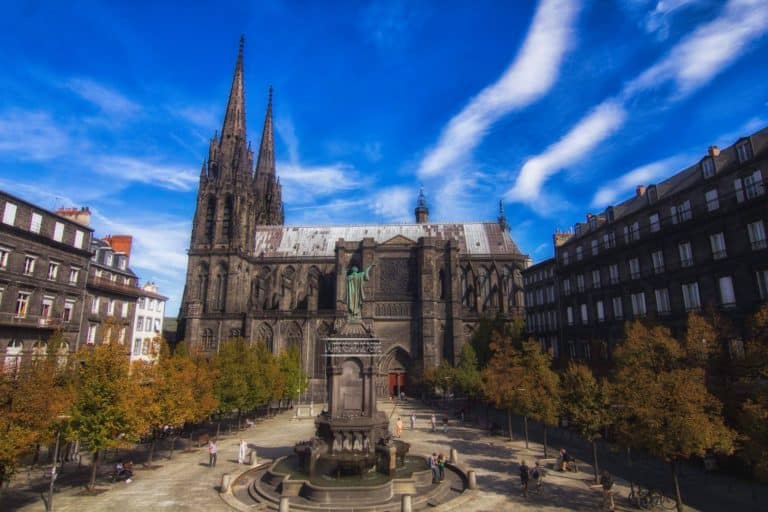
(650, 499)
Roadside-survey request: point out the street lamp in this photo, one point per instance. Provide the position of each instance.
(49, 503)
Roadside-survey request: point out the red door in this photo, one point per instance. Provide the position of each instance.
(392, 384)
(401, 379)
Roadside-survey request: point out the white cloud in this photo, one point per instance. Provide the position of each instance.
(393, 204)
(643, 175)
(287, 131)
(202, 116)
(106, 99)
(572, 147)
(658, 20)
(528, 78)
(303, 184)
(130, 168)
(704, 53)
(32, 136)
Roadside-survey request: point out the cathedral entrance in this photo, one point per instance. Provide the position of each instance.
(395, 365)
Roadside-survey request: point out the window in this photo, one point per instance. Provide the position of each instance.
(707, 168)
(124, 312)
(634, 231)
(580, 282)
(717, 242)
(762, 283)
(609, 214)
(691, 298)
(727, 294)
(750, 186)
(713, 203)
(613, 273)
(579, 253)
(106, 334)
(69, 307)
(140, 323)
(618, 308)
(565, 258)
(638, 304)
(587, 350)
(111, 307)
(595, 248)
(572, 349)
(91, 338)
(152, 304)
(97, 273)
(141, 302)
(566, 286)
(756, 235)
(74, 273)
(744, 151)
(596, 279)
(78, 239)
(12, 356)
(95, 305)
(609, 240)
(22, 304)
(157, 325)
(651, 194)
(653, 222)
(662, 301)
(569, 315)
(657, 258)
(4, 253)
(626, 234)
(209, 342)
(136, 347)
(9, 214)
(29, 265)
(53, 270)
(600, 311)
(681, 212)
(46, 307)
(58, 231)
(686, 254)
(108, 259)
(634, 268)
(584, 314)
(35, 223)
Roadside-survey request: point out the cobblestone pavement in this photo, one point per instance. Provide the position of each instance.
(187, 483)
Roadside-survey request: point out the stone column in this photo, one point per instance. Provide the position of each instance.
(406, 503)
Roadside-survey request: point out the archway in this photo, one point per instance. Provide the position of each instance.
(395, 365)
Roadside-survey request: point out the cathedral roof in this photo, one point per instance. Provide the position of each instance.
(479, 238)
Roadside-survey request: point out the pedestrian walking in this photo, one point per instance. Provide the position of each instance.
(537, 475)
(434, 423)
(524, 475)
(398, 427)
(212, 449)
(242, 452)
(433, 467)
(607, 482)
(413, 421)
(441, 467)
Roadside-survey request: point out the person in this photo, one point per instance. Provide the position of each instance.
(606, 481)
(445, 423)
(355, 293)
(537, 474)
(564, 460)
(433, 467)
(441, 467)
(212, 449)
(524, 478)
(434, 423)
(413, 421)
(242, 452)
(398, 427)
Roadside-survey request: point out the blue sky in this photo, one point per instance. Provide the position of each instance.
(558, 107)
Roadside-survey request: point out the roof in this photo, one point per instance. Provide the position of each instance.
(480, 238)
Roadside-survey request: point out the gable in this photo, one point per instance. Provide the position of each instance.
(399, 240)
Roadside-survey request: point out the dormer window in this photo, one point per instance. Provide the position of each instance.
(652, 194)
(707, 167)
(108, 259)
(744, 151)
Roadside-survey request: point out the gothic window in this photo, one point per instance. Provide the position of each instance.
(327, 291)
(208, 341)
(221, 288)
(484, 283)
(210, 215)
(467, 288)
(263, 334)
(323, 330)
(293, 336)
(202, 285)
(226, 220)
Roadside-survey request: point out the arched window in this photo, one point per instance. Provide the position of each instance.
(39, 349)
(202, 285)
(293, 336)
(62, 354)
(484, 285)
(327, 292)
(226, 220)
(263, 334)
(208, 341)
(210, 216)
(13, 356)
(221, 288)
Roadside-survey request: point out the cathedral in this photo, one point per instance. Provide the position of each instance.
(420, 288)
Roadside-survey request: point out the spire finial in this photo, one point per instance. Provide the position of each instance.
(502, 218)
(501, 207)
(242, 44)
(269, 99)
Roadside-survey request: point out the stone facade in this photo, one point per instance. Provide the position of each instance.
(249, 275)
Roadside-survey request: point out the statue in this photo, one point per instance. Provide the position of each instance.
(355, 293)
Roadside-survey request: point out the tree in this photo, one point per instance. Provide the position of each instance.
(199, 373)
(237, 367)
(503, 378)
(665, 406)
(585, 404)
(467, 376)
(542, 385)
(295, 380)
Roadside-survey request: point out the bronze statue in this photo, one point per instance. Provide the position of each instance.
(355, 293)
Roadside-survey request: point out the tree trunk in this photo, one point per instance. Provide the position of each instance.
(509, 424)
(151, 456)
(546, 456)
(678, 498)
(94, 465)
(36, 455)
(525, 424)
(594, 461)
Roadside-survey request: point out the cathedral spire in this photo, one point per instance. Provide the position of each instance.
(502, 218)
(234, 119)
(422, 212)
(265, 165)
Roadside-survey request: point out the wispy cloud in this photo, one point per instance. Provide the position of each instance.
(643, 175)
(598, 125)
(700, 56)
(137, 169)
(303, 184)
(393, 204)
(106, 99)
(527, 79)
(387, 23)
(201, 116)
(32, 136)
(658, 20)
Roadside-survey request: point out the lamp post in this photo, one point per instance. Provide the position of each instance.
(49, 503)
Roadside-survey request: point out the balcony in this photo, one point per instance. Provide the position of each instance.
(31, 321)
(110, 286)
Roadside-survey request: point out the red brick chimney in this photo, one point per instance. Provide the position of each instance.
(80, 215)
(120, 243)
(640, 190)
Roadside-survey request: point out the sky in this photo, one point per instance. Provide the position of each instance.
(555, 107)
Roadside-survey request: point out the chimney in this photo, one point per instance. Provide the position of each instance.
(120, 243)
(80, 215)
(640, 190)
(561, 237)
(713, 151)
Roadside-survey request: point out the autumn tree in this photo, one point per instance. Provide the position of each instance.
(199, 373)
(503, 378)
(585, 404)
(542, 386)
(237, 369)
(467, 376)
(294, 378)
(665, 407)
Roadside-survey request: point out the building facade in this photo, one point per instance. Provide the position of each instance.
(148, 323)
(426, 285)
(694, 241)
(44, 259)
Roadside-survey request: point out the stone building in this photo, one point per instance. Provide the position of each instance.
(694, 241)
(424, 285)
(148, 323)
(44, 259)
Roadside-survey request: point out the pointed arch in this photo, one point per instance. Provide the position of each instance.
(220, 290)
(264, 334)
(227, 223)
(210, 218)
(293, 336)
